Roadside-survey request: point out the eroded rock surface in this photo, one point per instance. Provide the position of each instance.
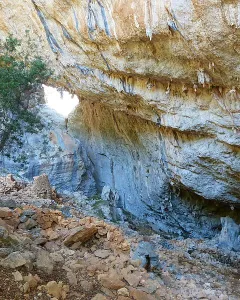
(159, 89)
(52, 151)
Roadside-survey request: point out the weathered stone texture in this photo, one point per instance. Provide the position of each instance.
(159, 86)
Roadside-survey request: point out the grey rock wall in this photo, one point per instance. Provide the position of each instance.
(146, 164)
(52, 151)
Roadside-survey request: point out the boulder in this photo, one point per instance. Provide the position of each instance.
(111, 281)
(14, 260)
(80, 234)
(5, 212)
(44, 262)
(46, 218)
(17, 276)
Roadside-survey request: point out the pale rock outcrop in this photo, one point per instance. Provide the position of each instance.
(159, 88)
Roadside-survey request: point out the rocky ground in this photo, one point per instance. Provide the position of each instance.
(46, 253)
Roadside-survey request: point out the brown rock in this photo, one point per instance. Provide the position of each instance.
(31, 281)
(57, 290)
(5, 212)
(133, 279)
(46, 218)
(102, 231)
(13, 222)
(102, 253)
(125, 246)
(140, 295)
(53, 236)
(80, 234)
(111, 281)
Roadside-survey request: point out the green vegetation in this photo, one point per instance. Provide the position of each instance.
(20, 75)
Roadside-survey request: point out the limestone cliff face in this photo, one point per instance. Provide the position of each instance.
(52, 151)
(159, 89)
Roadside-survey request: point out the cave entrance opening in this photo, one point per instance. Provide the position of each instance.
(61, 101)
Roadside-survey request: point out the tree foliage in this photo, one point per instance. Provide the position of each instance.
(19, 76)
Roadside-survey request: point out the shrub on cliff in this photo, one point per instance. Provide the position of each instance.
(19, 76)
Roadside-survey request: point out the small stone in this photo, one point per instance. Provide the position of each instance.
(17, 276)
(123, 292)
(54, 289)
(133, 279)
(102, 253)
(140, 295)
(23, 219)
(111, 281)
(28, 212)
(87, 286)
(109, 293)
(80, 234)
(4, 252)
(13, 260)
(72, 279)
(76, 246)
(31, 280)
(26, 287)
(57, 290)
(102, 231)
(40, 241)
(3, 232)
(51, 246)
(13, 222)
(136, 263)
(30, 224)
(5, 212)
(125, 246)
(56, 257)
(53, 236)
(99, 297)
(44, 262)
(150, 286)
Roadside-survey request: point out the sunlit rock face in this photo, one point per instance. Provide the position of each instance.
(159, 89)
